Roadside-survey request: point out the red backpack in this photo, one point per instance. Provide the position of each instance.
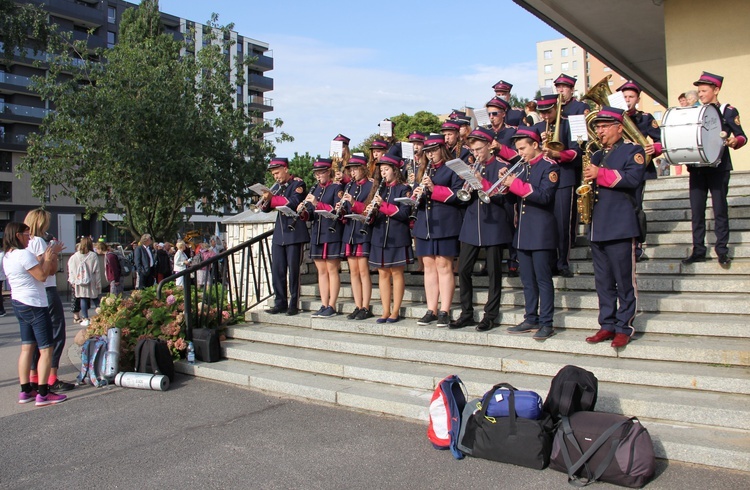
(447, 404)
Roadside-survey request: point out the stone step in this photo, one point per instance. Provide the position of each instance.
(684, 193)
(651, 346)
(716, 302)
(696, 272)
(685, 226)
(696, 324)
(668, 283)
(679, 442)
(736, 203)
(674, 251)
(682, 238)
(672, 182)
(704, 379)
(683, 214)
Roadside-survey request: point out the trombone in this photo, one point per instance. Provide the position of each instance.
(553, 140)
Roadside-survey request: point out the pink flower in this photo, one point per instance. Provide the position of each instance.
(180, 344)
(225, 315)
(171, 299)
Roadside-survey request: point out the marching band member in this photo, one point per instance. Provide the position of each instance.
(648, 127)
(536, 234)
(325, 241)
(287, 244)
(437, 228)
(513, 117)
(450, 129)
(356, 245)
(420, 160)
(569, 166)
(617, 171)
(390, 240)
(497, 110)
(714, 179)
(485, 226)
(565, 85)
(339, 174)
(378, 148)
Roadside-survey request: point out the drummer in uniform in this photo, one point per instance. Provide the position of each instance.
(617, 171)
(649, 128)
(513, 117)
(286, 249)
(714, 179)
(565, 86)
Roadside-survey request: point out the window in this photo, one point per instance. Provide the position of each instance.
(564, 66)
(110, 39)
(548, 82)
(239, 89)
(564, 52)
(547, 68)
(6, 161)
(606, 68)
(111, 15)
(239, 47)
(657, 115)
(575, 64)
(575, 50)
(548, 55)
(6, 191)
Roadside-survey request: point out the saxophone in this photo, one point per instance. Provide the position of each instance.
(585, 193)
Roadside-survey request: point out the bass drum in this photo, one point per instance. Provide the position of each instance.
(692, 136)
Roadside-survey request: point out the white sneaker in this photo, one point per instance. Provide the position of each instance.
(85, 322)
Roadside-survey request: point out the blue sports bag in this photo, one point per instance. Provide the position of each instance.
(528, 403)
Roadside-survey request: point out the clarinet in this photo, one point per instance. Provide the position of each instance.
(370, 217)
(341, 212)
(306, 206)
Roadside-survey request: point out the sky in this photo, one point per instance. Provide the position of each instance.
(342, 67)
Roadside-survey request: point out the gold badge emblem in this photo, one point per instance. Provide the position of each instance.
(654, 124)
(737, 120)
(638, 159)
(553, 177)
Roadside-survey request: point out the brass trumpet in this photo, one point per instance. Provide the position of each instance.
(464, 194)
(258, 207)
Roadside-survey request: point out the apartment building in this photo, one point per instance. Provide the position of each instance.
(564, 56)
(22, 111)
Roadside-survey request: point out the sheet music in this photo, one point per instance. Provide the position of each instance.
(464, 171)
(259, 189)
(481, 116)
(406, 200)
(407, 151)
(617, 100)
(325, 214)
(578, 129)
(386, 128)
(287, 211)
(337, 149)
(355, 217)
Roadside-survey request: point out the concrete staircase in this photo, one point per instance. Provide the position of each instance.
(686, 374)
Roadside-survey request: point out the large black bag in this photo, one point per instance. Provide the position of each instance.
(598, 446)
(512, 439)
(153, 356)
(573, 389)
(206, 343)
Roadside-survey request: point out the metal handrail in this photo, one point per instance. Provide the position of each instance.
(233, 284)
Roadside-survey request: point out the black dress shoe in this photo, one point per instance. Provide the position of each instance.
(566, 273)
(462, 321)
(724, 259)
(694, 258)
(276, 310)
(485, 325)
(292, 311)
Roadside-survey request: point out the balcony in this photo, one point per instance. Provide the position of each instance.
(259, 82)
(87, 14)
(15, 83)
(92, 40)
(258, 103)
(22, 113)
(262, 62)
(13, 142)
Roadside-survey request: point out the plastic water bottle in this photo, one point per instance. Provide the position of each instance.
(191, 353)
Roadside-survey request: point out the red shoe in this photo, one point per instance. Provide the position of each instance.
(621, 340)
(600, 336)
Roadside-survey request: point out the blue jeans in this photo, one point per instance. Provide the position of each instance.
(35, 323)
(87, 303)
(57, 316)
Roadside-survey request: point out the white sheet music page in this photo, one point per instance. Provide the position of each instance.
(259, 189)
(577, 125)
(407, 151)
(386, 128)
(481, 116)
(617, 100)
(337, 149)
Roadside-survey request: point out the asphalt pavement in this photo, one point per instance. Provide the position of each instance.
(203, 434)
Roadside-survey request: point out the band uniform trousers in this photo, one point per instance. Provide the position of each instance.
(467, 257)
(614, 277)
(563, 217)
(701, 182)
(535, 269)
(286, 256)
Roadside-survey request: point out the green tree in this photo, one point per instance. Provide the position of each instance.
(144, 132)
(22, 25)
(302, 166)
(516, 101)
(423, 121)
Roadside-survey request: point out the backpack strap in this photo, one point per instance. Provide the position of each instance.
(151, 357)
(85, 356)
(97, 379)
(139, 356)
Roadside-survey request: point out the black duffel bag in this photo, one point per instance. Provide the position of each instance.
(512, 439)
(598, 446)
